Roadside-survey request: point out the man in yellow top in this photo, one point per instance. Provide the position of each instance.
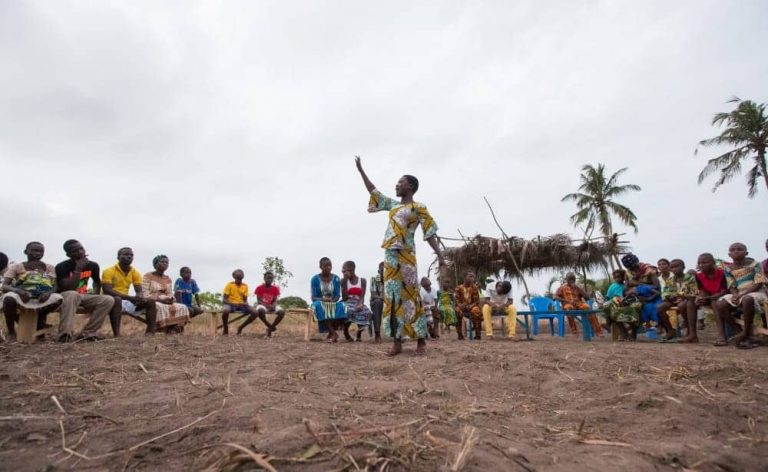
(235, 299)
(116, 281)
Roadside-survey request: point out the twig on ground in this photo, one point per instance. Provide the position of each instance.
(469, 438)
(144, 443)
(143, 368)
(602, 442)
(557, 366)
(58, 405)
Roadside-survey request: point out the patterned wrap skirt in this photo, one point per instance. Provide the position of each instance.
(171, 315)
(328, 311)
(403, 313)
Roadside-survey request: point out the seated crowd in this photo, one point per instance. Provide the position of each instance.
(664, 297)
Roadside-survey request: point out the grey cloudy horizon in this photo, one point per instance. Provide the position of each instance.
(223, 133)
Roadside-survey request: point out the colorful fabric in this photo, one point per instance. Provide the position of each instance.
(236, 294)
(571, 298)
(643, 274)
(35, 281)
(160, 289)
(91, 270)
(445, 307)
(403, 220)
(743, 278)
(620, 313)
(401, 296)
(466, 296)
(685, 287)
(327, 310)
(120, 281)
(615, 290)
(711, 285)
(267, 295)
(186, 289)
(649, 310)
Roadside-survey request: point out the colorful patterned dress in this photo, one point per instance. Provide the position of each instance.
(446, 308)
(466, 296)
(401, 281)
(160, 289)
(325, 310)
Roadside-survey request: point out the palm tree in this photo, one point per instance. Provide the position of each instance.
(747, 130)
(596, 204)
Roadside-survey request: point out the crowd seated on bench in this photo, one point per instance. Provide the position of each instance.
(664, 298)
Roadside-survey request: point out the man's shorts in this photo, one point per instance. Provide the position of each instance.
(129, 307)
(758, 297)
(237, 308)
(262, 308)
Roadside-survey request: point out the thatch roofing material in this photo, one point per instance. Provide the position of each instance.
(558, 252)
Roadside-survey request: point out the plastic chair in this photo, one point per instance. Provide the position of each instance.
(545, 305)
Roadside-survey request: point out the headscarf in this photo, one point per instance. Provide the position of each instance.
(630, 261)
(157, 259)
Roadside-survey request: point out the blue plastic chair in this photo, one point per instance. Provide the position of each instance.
(543, 305)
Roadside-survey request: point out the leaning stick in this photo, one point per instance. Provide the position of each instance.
(509, 250)
(232, 321)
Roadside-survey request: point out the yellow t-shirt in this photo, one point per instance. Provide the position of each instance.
(237, 294)
(120, 281)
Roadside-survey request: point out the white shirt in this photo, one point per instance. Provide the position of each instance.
(427, 298)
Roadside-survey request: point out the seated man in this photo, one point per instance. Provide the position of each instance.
(72, 282)
(235, 299)
(746, 283)
(499, 302)
(267, 296)
(573, 298)
(116, 282)
(710, 281)
(467, 299)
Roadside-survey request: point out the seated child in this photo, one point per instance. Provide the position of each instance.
(235, 299)
(746, 283)
(445, 305)
(499, 302)
(185, 290)
(650, 297)
(678, 292)
(710, 280)
(353, 295)
(467, 299)
(429, 307)
(267, 296)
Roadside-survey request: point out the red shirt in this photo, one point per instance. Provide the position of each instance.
(713, 285)
(267, 295)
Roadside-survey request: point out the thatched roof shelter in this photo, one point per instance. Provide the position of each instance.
(558, 252)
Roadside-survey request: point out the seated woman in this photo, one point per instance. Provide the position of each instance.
(326, 292)
(640, 273)
(157, 286)
(353, 295)
(573, 298)
(30, 285)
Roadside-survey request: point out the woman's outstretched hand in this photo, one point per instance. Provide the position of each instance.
(358, 163)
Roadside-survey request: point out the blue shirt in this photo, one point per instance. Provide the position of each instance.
(187, 289)
(615, 290)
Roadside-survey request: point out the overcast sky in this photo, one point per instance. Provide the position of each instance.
(220, 133)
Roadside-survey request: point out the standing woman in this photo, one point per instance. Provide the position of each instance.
(403, 313)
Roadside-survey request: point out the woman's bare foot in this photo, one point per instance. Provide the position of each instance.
(421, 347)
(689, 339)
(396, 349)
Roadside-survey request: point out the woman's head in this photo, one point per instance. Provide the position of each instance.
(160, 263)
(630, 261)
(406, 185)
(325, 265)
(34, 251)
(663, 265)
(348, 268)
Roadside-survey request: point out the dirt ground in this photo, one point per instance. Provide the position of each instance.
(194, 401)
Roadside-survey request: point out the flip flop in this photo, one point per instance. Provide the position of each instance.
(744, 345)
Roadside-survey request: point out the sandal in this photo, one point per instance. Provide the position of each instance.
(744, 345)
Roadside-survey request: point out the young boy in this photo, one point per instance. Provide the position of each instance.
(429, 306)
(267, 296)
(445, 305)
(353, 290)
(468, 304)
(235, 299)
(185, 289)
(679, 291)
(746, 283)
(499, 302)
(710, 281)
(377, 303)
